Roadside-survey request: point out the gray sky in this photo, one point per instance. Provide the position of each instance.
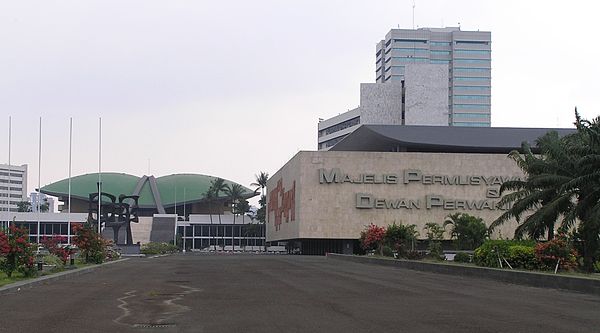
(231, 88)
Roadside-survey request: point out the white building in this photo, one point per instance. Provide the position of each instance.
(41, 198)
(13, 186)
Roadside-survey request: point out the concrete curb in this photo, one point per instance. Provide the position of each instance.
(533, 279)
(25, 284)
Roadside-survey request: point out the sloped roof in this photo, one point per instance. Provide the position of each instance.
(173, 189)
(447, 139)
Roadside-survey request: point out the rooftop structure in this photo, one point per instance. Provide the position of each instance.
(181, 192)
(449, 139)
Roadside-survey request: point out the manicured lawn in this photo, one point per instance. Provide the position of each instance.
(4, 280)
(16, 276)
(453, 263)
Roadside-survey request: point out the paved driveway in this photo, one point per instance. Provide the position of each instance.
(258, 293)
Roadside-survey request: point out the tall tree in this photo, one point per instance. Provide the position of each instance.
(584, 188)
(261, 181)
(563, 182)
(210, 197)
(540, 190)
(234, 193)
(218, 186)
(24, 206)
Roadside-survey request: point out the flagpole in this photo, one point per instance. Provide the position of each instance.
(70, 160)
(99, 173)
(39, 181)
(9, 167)
(9, 150)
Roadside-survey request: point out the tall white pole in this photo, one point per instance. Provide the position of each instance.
(39, 182)
(99, 173)
(176, 218)
(70, 160)
(9, 170)
(9, 150)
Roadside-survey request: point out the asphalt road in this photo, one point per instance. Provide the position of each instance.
(258, 293)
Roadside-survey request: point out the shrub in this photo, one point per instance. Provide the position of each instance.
(522, 256)
(462, 257)
(90, 243)
(491, 250)
(435, 233)
(558, 250)
(17, 252)
(53, 246)
(158, 248)
(469, 231)
(372, 237)
(387, 251)
(400, 237)
(435, 250)
(414, 255)
(52, 259)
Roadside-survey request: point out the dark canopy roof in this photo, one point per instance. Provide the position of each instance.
(447, 139)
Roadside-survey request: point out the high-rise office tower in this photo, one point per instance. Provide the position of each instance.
(467, 55)
(13, 186)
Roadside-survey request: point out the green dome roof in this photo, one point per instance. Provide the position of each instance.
(172, 189)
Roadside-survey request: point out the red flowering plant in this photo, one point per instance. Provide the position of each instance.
(89, 242)
(558, 250)
(53, 245)
(16, 252)
(372, 238)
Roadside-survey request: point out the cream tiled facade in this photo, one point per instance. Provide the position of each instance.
(334, 194)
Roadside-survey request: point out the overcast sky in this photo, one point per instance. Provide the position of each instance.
(231, 88)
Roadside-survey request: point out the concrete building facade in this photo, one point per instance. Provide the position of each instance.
(13, 186)
(334, 195)
(320, 201)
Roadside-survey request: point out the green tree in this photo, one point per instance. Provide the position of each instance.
(584, 187)
(261, 213)
(469, 231)
(45, 206)
(24, 206)
(234, 193)
(435, 233)
(218, 186)
(540, 190)
(261, 181)
(401, 237)
(565, 183)
(210, 197)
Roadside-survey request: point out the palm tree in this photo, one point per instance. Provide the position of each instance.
(563, 182)
(209, 196)
(584, 187)
(218, 185)
(261, 181)
(539, 190)
(235, 193)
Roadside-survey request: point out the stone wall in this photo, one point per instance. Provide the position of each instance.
(449, 183)
(426, 91)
